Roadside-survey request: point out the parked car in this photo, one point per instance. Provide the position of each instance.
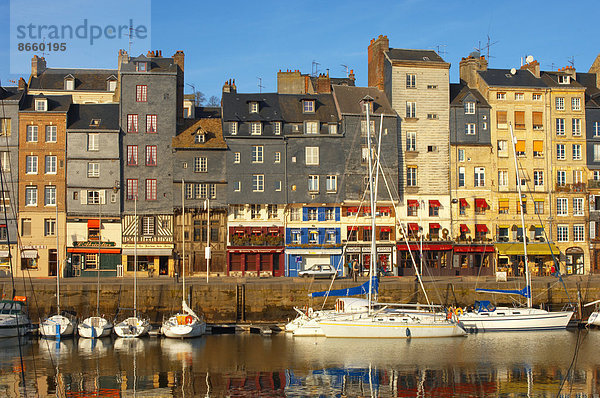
(318, 271)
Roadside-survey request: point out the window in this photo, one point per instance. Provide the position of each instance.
(151, 124)
(32, 133)
(411, 176)
(151, 155)
(132, 123)
(564, 79)
(432, 86)
(237, 211)
(576, 103)
(278, 185)
(461, 176)
(502, 148)
(503, 178)
(536, 97)
(538, 178)
(295, 214)
(411, 109)
(308, 106)
(200, 165)
(411, 141)
(411, 80)
(313, 183)
(470, 128)
(560, 103)
(311, 128)
(577, 176)
(50, 195)
(331, 184)
(578, 206)
(330, 214)
(295, 236)
(277, 128)
(132, 185)
(232, 128)
(596, 175)
(538, 206)
(562, 233)
(271, 211)
(255, 128)
(26, 227)
(5, 161)
(50, 133)
(147, 225)
(141, 66)
(41, 105)
(150, 189)
(519, 120)
(562, 206)
(579, 233)
(49, 227)
(332, 129)
(479, 177)
(519, 96)
(461, 155)
(432, 116)
(576, 151)
(112, 85)
(257, 154)
(434, 209)
(277, 157)
(132, 155)
(503, 206)
(363, 127)
(501, 120)
(258, 182)
(141, 93)
(501, 96)
(30, 196)
(237, 186)
(255, 212)
(537, 119)
(253, 107)
(236, 157)
(5, 126)
(311, 214)
(520, 148)
(470, 108)
(560, 126)
(538, 149)
(561, 177)
(93, 197)
(576, 126)
(93, 169)
(596, 152)
(213, 191)
(313, 236)
(560, 152)
(31, 164)
(312, 155)
(93, 142)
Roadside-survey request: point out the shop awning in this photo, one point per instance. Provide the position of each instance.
(3, 253)
(481, 228)
(463, 202)
(93, 223)
(352, 209)
(366, 209)
(412, 203)
(367, 227)
(426, 246)
(481, 203)
(435, 203)
(92, 250)
(386, 229)
(464, 228)
(434, 225)
(240, 231)
(413, 226)
(385, 210)
(533, 249)
(352, 228)
(148, 252)
(29, 253)
(474, 248)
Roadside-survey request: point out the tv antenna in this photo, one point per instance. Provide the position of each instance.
(441, 49)
(571, 61)
(315, 68)
(486, 47)
(260, 86)
(346, 69)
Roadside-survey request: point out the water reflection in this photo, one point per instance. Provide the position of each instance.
(496, 365)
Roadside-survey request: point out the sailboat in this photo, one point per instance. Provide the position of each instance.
(487, 318)
(385, 323)
(58, 325)
(186, 323)
(96, 326)
(133, 326)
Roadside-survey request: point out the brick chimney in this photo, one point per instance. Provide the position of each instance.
(22, 84)
(352, 78)
(291, 82)
(533, 67)
(569, 70)
(123, 58)
(229, 86)
(38, 65)
(376, 51)
(323, 83)
(469, 67)
(179, 58)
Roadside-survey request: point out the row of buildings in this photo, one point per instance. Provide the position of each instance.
(100, 167)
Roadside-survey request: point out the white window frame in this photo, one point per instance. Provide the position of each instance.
(50, 195)
(559, 103)
(561, 177)
(236, 157)
(461, 155)
(93, 170)
(32, 133)
(538, 178)
(578, 233)
(578, 207)
(233, 128)
(479, 177)
(308, 106)
(41, 105)
(575, 104)
(412, 176)
(503, 178)
(255, 128)
(313, 183)
(258, 183)
(562, 206)
(31, 164)
(93, 142)
(576, 149)
(253, 107)
(411, 80)
(277, 158)
(576, 126)
(560, 152)
(311, 127)
(470, 129)
(257, 154)
(411, 141)
(277, 128)
(461, 177)
(562, 233)
(333, 128)
(312, 155)
(331, 183)
(411, 109)
(502, 147)
(31, 195)
(469, 108)
(51, 133)
(560, 126)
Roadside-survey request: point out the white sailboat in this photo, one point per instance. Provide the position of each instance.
(58, 325)
(186, 323)
(387, 323)
(14, 320)
(133, 326)
(96, 326)
(487, 318)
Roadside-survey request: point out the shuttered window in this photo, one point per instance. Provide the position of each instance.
(519, 119)
(501, 119)
(538, 123)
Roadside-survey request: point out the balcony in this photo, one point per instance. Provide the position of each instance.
(572, 188)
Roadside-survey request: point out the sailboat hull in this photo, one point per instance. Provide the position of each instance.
(94, 327)
(518, 319)
(58, 326)
(174, 329)
(132, 327)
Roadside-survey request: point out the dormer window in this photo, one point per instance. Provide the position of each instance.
(69, 82)
(308, 106)
(141, 66)
(470, 108)
(254, 107)
(564, 79)
(41, 104)
(111, 84)
(95, 123)
(200, 137)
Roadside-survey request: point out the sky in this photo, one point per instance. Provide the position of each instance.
(251, 41)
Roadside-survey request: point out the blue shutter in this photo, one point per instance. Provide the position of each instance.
(322, 233)
(337, 214)
(321, 214)
(304, 236)
(305, 214)
(338, 235)
(336, 263)
(288, 236)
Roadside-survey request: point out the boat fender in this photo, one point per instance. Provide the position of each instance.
(188, 320)
(449, 315)
(408, 332)
(305, 309)
(458, 311)
(310, 311)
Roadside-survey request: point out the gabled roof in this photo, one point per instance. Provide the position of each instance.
(458, 92)
(11, 93)
(551, 79)
(56, 103)
(155, 64)
(348, 100)
(292, 108)
(81, 116)
(85, 79)
(503, 78)
(402, 54)
(212, 129)
(236, 108)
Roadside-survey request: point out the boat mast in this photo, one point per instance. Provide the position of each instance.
(57, 259)
(523, 231)
(372, 200)
(135, 262)
(183, 237)
(98, 262)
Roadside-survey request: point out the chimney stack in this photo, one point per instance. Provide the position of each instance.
(533, 67)
(469, 67)
(178, 58)
(22, 84)
(352, 78)
(376, 50)
(38, 65)
(229, 86)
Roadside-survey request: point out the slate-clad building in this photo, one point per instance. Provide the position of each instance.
(151, 109)
(93, 190)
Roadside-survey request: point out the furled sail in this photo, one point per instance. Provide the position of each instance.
(525, 292)
(352, 291)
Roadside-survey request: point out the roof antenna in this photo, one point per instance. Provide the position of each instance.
(486, 47)
(347, 69)
(441, 49)
(315, 68)
(571, 61)
(260, 86)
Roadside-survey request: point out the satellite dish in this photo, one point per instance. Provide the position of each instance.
(513, 71)
(529, 59)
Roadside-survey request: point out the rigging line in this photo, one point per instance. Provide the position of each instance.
(578, 343)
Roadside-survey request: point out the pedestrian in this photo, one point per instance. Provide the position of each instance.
(349, 265)
(355, 269)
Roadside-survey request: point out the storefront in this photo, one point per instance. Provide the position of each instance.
(255, 261)
(153, 259)
(84, 260)
(299, 259)
(473, 260)
(541, 256)
(431, 258)
(574, 260)
(362, 253)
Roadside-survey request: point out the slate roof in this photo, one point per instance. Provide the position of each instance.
(503, 78)
(202, 112)
(81, 116)
(592, 92)
(85, 79)
(236, 108)
(157, 64)
(348, 100)
(292, 108)
(402, 54)
(56, 103)
(212, 129)
(10, 93)
(551, 79)
(458, 91)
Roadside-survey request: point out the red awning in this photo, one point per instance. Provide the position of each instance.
(240, 231)
(386, 229)
(463, 202)
(413, 226)
(367, 227)
(481, 228)
(385, 210)
(352, 228)
(273, 229)
(464, 228)
(426, 246)
(435, 203)
(481, 203)
(434, 225)
(93, 223)
(366, 209)
(352, 209)
(474, 249)
(413, 203)
(257, 231)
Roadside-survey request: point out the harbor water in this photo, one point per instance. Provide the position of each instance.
(546, 364)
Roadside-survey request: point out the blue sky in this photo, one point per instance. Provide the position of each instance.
(248, 40)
